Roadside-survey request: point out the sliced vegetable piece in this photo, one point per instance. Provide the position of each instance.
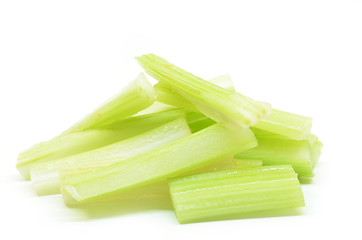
(274, 149)
(75, 143)
(222, 105)
(225, 194)
(243, 163)
(45, 177)
(184, 155)
(136, 96)
(156, 191)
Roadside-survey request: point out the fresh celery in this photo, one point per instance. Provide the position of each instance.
(242, 163)
(78, 142)
(286, 124)
(155, 191)
(275, 149)
(225, 194)
(184, 155)
(222, 105)
(136, 96)
(45, 176)
(167, 95)
(280, 122)
(63, 146)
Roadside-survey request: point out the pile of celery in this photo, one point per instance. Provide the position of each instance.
(214, 152)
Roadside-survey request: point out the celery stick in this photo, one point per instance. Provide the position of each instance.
(280, 122)
(275, 151)
(63, 146)
(136, 96)
(155, 191)
(222, 105)
(74, 143)
(286, 124)
(45, 176)
(198, 121)
(156, 107)
(243, 163)
(225, 194)
(184, 155)
(166, 95)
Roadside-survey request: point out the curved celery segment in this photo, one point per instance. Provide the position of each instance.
(286, 124)
(63, 146)
(166, 95)
(243, 163)
(45, 177)
(275, 149)
(222, 105)
(155, 191)
(225, 194)
(136, 96)
(184, 155)
(75, 143)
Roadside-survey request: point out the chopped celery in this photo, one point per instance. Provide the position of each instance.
(275, 149)
(222, 105)
(45, 176)
(136, 96)
(184, 155)
(198, 121)
(156, 107)
(155, 191)
(63, 146)
(225, 194)
(242, 163)
(286, 124)
(166, 95)
(280, 122)
(78, 142)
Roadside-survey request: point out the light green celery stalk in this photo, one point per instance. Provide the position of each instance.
(275, 149)
(280, 122)
(166, 95)
(243, 163)
(78, 142)
(286, 124)
(136, 96)
(156, 191)
(222, 105)
(45, 176)
(181, 156)
(231, 193)
(63, 146)
(156, 107)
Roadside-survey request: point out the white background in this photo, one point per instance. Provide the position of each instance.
(61, 59)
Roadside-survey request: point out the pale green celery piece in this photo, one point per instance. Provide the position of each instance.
(231, 193)
(63, 146)
(74, 143)
(276, 151)
(315, 148)
(136, 96)
(45, 176)
(155, 108)
(222, 105)
(286, 124)
(280, 122)
(243, 163)
(198, 121)
(181, 156)
(166, 95)
(155, 191)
